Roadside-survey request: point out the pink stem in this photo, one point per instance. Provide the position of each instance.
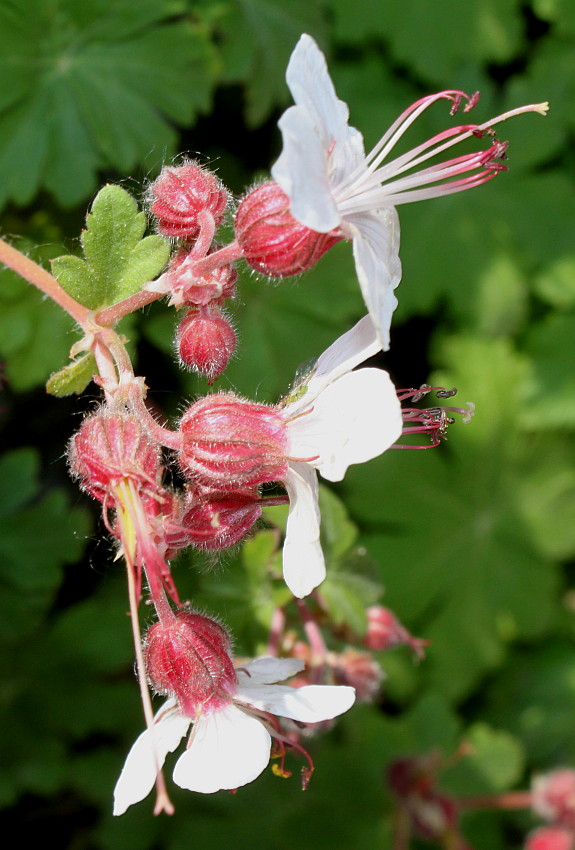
(511, 800)
(163, 802)
(129, 305)
(43, 280)
(276, 630)
(225, 255)
(313, 632)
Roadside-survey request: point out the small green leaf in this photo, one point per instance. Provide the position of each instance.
(118, 261)
(494, 764)
(74, 378)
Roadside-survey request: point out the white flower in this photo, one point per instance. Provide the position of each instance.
(228, 747)
(336, 417)
(332, 184)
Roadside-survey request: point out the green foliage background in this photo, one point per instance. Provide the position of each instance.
(474, 541)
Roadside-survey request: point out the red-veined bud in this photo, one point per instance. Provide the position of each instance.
(272, 240)
(231, 444)
(110, 447)
(206, 341)
(180, 193)
(219, 520)
(188, 657)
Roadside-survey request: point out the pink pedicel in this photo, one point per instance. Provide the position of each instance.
(188, 657)
(181, 193)
(272, 240)
(206, 341)
(231, 444)
(110, 448)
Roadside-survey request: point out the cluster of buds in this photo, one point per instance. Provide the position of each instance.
(553, 800)
(189, 204)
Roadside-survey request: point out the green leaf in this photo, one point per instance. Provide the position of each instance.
(81, 95)
(74, 378)
(494, 764)
(450, 530)
(31, 564)
(118, 261)
(258, 38)
(473, 33)
(35, 334)
(549, 400)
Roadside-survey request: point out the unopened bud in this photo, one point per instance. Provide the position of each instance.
(206, 341)
(110, 447)
(182, 192)
(384, 631)
(553, 797)
(222, 519)
(272, 240)
(188, 657)
(550, 838)
(358, 669)
(231, 444)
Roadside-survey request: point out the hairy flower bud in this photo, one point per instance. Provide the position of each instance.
(358, 669)
(110, 447)
(188, 657)
(384, 631)
(550, 838)
(182, 192)
(206, 341)
(221, 520)
(554, 797)
(229, 443)
(272, 240)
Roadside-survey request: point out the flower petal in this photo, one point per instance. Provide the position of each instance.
(267, 670)
(347, 352)
(309, 704)
(376, 252)
(228, 749)
(147, 756)
(354, 419)
(320, 148)
(303, 560)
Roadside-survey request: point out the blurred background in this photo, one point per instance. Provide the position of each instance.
(474, 541)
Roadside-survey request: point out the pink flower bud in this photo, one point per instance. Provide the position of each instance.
(206, 341)
(186, 287)
(110, 447)
(359, 670)
(553, 797)
(272, 240)
(550, 838)
(188, 657)
(223, 519)
(384, 631)
(180, 193)
(231, 444)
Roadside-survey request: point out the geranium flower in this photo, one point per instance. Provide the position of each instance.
(336, 417)
(334, 187)
(230, 744)
(333, 417)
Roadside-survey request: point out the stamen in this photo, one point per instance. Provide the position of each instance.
(432, 421)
